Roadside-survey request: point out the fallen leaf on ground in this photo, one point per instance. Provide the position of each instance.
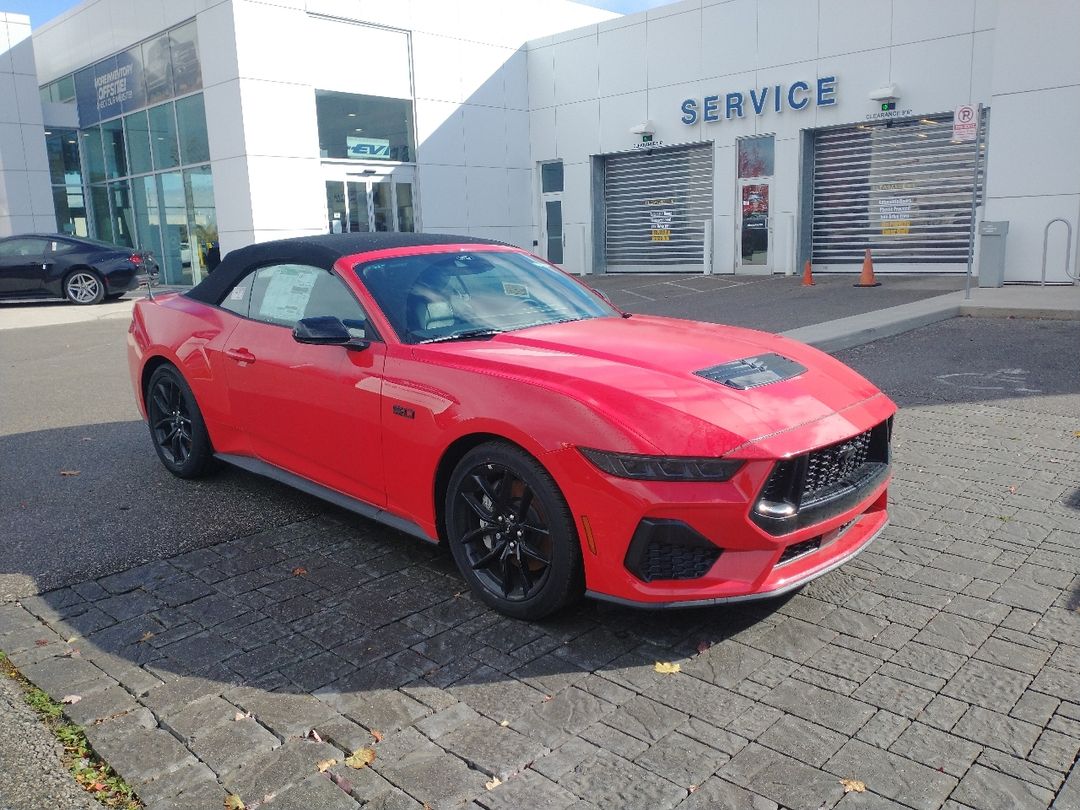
(299, 572)
(314, 735)
(853, 785)
(69, 473)
(703, 646)
(325, 765)
(71, 700)
(72, 640)
(667, 668)
(378, 735)
(241, 716)
(494, 783)
(361, 758)
(504, 723)
(234, 802)
(41, 642)
(145, 637)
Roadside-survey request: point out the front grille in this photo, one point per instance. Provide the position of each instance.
(799, 488)
(827, 467)
(669, 549)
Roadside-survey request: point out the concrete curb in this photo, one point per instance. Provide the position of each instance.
(855, 330)
(1057, 303)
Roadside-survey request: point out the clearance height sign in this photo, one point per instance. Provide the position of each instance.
(759, 100)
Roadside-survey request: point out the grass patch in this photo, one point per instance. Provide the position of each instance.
(89, 770)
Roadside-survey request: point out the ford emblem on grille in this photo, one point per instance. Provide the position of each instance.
(751, 372)
(845, 457)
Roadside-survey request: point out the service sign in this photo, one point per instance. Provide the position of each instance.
(965, 123)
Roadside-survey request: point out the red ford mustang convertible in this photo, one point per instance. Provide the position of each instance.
(468, 392)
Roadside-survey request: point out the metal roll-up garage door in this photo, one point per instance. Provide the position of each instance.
(902, 190)
(656, 204)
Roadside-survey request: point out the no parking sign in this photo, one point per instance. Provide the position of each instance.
(965, 123)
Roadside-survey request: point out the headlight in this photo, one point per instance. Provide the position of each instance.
(662, 468)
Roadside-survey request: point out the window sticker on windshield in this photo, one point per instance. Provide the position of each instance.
(516, 290)
(238, 293)
(287, 294)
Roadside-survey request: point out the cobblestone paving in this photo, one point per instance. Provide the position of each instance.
(941, 668)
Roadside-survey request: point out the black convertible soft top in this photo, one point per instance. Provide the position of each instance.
(314, 251)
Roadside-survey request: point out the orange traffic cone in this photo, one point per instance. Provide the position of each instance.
(807, 275)
(866, 279)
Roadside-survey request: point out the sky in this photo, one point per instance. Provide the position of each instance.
(41, 11)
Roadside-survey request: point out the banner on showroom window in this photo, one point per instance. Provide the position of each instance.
(366, 148)
(109, 88)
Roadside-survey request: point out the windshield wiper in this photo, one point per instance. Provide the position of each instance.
(468, 334)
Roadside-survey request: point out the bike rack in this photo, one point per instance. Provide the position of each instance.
(1068, 250)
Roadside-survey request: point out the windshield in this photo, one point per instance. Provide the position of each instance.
(471, 295)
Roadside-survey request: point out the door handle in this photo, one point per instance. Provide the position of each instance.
(240, 355)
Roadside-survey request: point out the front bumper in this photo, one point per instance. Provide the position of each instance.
(753, 562)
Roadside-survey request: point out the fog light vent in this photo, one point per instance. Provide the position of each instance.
(669, 549)
(796, 550)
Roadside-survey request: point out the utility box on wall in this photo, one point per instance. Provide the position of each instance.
(992, 252)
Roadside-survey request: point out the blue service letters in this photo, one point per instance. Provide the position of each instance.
(796, 96)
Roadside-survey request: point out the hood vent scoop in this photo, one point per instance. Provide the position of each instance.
(752, 372)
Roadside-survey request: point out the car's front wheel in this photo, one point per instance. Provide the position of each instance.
(512, 533)
(84, 287)
(176, 425)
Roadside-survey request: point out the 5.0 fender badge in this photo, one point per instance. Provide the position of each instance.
(401, 410)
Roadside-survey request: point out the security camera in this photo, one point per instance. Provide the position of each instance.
(886, 93)
(644, 128)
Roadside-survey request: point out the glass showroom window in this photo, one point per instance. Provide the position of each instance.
(147, 189)
(364, 127)
(65, 174)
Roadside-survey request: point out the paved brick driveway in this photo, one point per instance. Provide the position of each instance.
(941, 667)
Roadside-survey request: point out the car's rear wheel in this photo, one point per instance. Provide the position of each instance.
(512, 533)
(84, 287)
(176, 425)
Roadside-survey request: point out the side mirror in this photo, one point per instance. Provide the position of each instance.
(326, 331)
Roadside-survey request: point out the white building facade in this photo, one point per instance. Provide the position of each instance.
(723, 136)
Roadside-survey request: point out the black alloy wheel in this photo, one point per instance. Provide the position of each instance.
(511, 532)
(176, 425)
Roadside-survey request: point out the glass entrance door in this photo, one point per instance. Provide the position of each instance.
(755, 227)
(365, 204)
(553, 237)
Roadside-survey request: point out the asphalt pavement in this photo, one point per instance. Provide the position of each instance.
(769, 303)
(83, 493)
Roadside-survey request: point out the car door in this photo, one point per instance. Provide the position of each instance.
(22, 269)
(311, 410)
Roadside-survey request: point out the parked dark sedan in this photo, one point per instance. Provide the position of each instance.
(84, 271)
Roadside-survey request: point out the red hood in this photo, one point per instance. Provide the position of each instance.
(639, 372)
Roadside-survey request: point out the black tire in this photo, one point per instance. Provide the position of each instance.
(176, 425)
(83, 286)
(512, 533)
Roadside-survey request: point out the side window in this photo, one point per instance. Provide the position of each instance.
(239, 297)
(57, 246)
(280, 293)
(331, 297)
(18, 248)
